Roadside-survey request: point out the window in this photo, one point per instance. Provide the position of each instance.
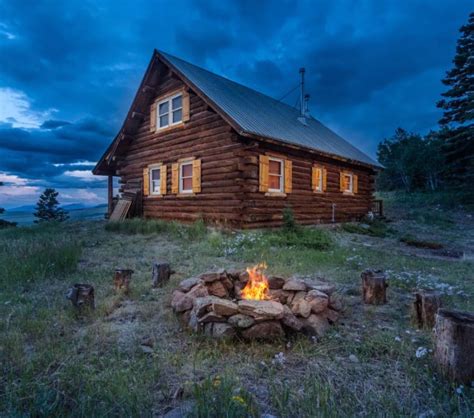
(347, 183)
(170, 111)
(186, 177)
(318, 179)
(155, 180)
(275, 175)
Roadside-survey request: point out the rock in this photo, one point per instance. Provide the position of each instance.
(212, 276)
(296, 298)
(278, 295)
(295, 285)
(261, 309)
(181, 302)
(198, 291)
(182, 411)
(317, 300)
(234, 274)
(268, 330)
(187, 284)
(244, 276)
(316, 325)
(146, 349)
(290, 320)
(241, 321)
(301, 308)
(324, 287)
(238, 290)
(219, 330)
(211, 317)
(228, 283)
(289, 296)
(222, 307)
(332, 315)
(275, 282)
(336, 302)
(217, 289)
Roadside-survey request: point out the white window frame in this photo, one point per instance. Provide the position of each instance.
(351, 183)
(170, 112)
(151, 168)
(181, 177)
(319, 186)
(281, 175)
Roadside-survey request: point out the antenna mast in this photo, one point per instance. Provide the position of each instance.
(302, 98)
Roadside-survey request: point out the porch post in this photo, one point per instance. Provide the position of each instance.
(110, 194)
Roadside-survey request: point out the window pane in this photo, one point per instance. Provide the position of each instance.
(155, 174)
(163, 121)
(164, 107)
(318, 179)
(187, 184)
(347, 183)
(156, 186)
(177, 116)
(274, 167)
(274, 182)
(187, 170)
(177, 102)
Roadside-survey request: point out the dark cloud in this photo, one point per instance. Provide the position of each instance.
(371, 66)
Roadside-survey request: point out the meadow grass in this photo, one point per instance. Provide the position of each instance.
(55, 363)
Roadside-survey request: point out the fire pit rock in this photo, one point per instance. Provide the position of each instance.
(212, 304)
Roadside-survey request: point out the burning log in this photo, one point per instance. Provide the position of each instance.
(454, 344)
(81, 296)
(374, 287)
(161, 274)
(425, 307)
(122, 279)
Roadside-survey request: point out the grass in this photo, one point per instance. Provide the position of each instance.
(53, 363)
(376, 228)
(409, 240)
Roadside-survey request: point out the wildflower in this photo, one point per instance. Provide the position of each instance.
(239, 399)
(217, 381)
(279, 359)
(421, 352)
(459, 389)
(397, 338)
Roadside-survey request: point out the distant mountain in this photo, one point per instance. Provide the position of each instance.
(71, 206)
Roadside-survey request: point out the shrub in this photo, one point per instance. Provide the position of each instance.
(289, 222)
(304, 237)
(374, 228)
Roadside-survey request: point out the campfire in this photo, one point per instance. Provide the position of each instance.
(251, 305)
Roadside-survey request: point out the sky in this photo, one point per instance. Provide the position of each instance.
(69, 70)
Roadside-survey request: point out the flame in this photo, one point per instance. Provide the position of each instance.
(257, 286)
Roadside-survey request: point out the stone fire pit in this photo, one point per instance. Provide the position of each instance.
(212, 303)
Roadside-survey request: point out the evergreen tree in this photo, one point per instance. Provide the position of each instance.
(47, 208)
(458, 106)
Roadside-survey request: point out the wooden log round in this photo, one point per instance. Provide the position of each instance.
(81, 296)
(374, 287)
(424, 308)
(454, 344)
(161, 273)
(122, 279)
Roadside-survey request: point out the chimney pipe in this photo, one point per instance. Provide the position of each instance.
(302, 97)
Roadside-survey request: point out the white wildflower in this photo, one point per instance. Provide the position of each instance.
(459, 390)
(279, 359)
(397, 338)
(421, 352)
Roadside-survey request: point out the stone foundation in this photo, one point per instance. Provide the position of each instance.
(211, 304)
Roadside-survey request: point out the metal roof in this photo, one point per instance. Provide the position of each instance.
(264, 116)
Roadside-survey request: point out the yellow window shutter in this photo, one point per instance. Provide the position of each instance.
(325, 178)
(288, 176)
(153, 117)
(314, 177)
(355, 188)
(341, 181)
(163, 179)
(196, 176)
(175, 178)
(146, 182)
(263, 187)
(186, 112)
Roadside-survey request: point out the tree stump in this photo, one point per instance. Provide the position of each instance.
(425, 307)
(374, 287)
(122, 279)
(161, 273)
(81, 296)
(454, 344)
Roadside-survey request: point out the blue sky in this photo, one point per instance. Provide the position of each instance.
(69, 70)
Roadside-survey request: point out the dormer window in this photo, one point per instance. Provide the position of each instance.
(170, 111)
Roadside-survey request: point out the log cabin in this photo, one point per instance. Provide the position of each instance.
(195, 145)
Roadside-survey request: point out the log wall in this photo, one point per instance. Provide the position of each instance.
(230, 174)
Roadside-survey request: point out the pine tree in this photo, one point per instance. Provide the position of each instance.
(458, 106)
(47, 208)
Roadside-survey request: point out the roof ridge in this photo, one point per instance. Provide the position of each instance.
(232, 81)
